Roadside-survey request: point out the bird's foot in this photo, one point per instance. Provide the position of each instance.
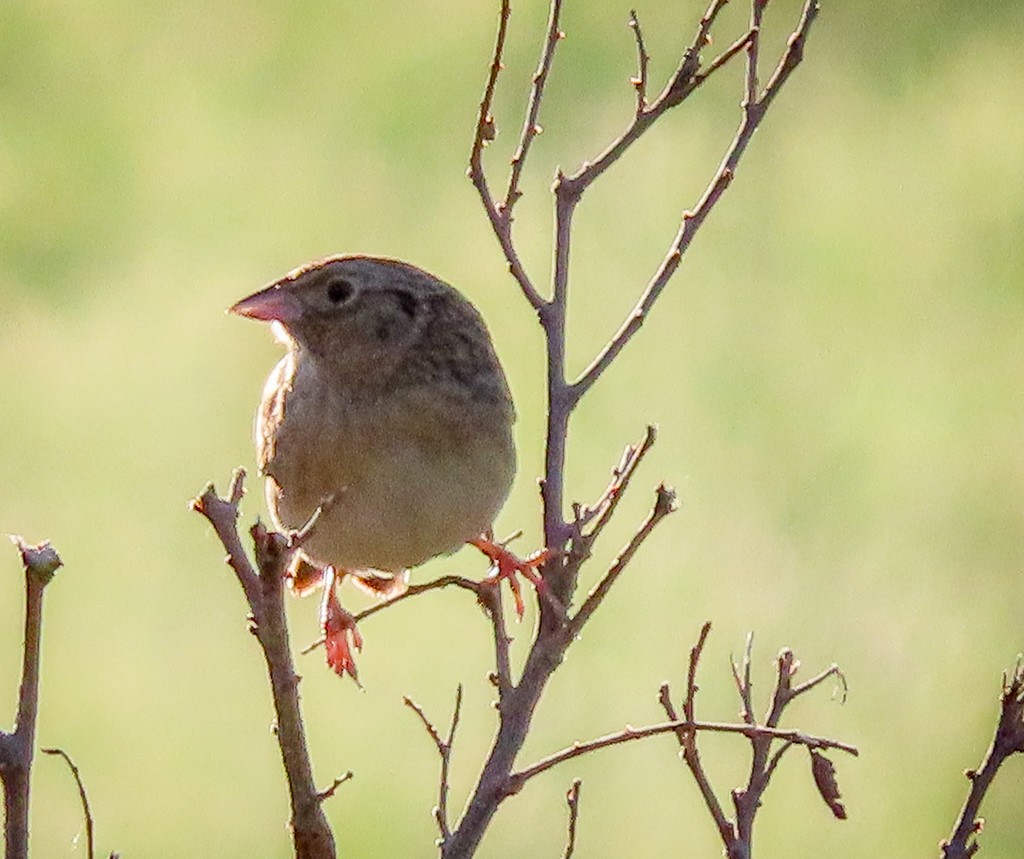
(505, 565)
(339, 629)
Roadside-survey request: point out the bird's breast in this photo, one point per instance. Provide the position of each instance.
(414, 471)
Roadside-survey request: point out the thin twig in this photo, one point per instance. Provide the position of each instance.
(643, 59)
(793, 55)
(1008, 741)
(82, 796)
(753, 114)
(688, 739)
(629, 734)
(491, 598)
(531, 126)
(605, 506)
(726, 55)
(744, 686)
(222, 514)
(665, 503)
(332, 788)
(572, 799)
(408, 593)
(683, 82)
(485, 133)
(757, 8)
(444, 750)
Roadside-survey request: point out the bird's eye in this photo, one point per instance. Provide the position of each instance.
(339, 291)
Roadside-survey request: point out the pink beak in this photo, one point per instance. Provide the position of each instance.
(270, 304)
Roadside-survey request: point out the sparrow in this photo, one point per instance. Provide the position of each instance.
(389, 412)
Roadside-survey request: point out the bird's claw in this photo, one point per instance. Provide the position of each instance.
(505, 565)
(340, 632)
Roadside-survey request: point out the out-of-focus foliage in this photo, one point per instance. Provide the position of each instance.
(837, 375)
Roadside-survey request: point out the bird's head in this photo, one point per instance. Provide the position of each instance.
(361, 312)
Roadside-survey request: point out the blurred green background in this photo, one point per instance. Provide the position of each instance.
(836, 372)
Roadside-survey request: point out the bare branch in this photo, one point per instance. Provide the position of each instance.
(297, 538)
(561, 568)
(408, 593)
(682, 83)
(485, 133)
(689, 705)
(444, 750)
(39, 563)
(688, 739)
(1008, 741)
(222, 514)
(82, 796)
(793, 55)
(753, 113)
(744, 686)
(642, 61)
(747, 800)
(572, 799)
(785, 692)
(491, 599)
(757, 8)
(531, 126)
(264, 591)
(605, 506)
(629, 734)
(718, 62)
(665, 503)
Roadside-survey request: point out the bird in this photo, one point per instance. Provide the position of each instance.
(389, 413)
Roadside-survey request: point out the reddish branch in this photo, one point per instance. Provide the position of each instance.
(1008, 741)
(17, 746)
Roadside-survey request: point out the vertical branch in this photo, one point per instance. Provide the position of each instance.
(40, 562)
(444, 750)
(531, 126)
(572, 799)
(264, 590)
(501, 223)
(560, 572)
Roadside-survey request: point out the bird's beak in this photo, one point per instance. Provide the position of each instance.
(270, 304)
